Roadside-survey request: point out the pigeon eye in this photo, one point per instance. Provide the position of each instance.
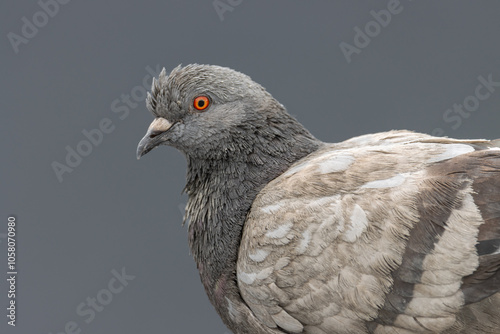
(201, 103)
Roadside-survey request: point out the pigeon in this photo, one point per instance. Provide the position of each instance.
(392, 232)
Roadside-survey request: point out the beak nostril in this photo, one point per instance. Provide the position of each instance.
(154, 134)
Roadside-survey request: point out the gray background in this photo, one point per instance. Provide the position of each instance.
(113, 211)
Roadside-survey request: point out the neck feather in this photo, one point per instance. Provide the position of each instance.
(221, 192)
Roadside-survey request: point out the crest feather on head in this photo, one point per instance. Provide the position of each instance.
(158, 91)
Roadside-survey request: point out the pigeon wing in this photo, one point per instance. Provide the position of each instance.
(394, 231)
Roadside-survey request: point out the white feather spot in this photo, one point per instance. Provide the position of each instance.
(247, 278)
(265, 273)
(387, 183)
(497, 251)
(336, 163)
(364, 140)
(322, 201)
(259, 255)
(494, 148)
(280, 232)
(304, 242)
(359, 222)
(452, 150)
(296, 169)
(271, 208)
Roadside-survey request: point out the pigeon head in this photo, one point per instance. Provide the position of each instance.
(206, 110)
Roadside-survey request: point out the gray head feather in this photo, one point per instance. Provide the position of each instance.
(237, 105)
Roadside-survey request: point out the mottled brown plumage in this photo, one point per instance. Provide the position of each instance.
(411, 203)
(395, 232)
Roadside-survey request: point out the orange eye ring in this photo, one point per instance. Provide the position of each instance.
(201, 103)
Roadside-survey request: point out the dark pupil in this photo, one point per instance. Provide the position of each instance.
(201, 103)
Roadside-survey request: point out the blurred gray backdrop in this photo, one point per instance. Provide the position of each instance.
(100, 244)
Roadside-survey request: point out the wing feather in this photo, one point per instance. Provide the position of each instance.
(360, 239)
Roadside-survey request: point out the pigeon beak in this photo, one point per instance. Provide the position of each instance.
(152, 137)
